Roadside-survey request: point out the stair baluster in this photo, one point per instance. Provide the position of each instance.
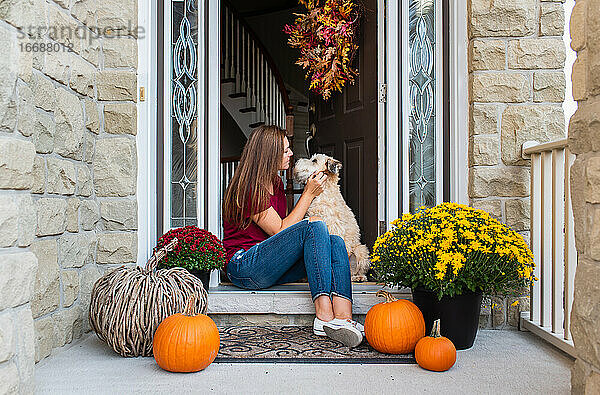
(237, 56)
(246, 70)
(232, 46)
(268, 97)
(263, 117)
(242, 60)
(254, 74)
(275, 102)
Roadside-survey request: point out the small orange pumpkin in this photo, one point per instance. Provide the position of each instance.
(186, 342)
(394, 326)
(435, 352)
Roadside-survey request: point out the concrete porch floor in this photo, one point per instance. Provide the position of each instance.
(500, 362)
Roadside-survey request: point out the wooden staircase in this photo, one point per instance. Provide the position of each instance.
(252, 89)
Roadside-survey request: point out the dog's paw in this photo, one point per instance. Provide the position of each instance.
(359, 278)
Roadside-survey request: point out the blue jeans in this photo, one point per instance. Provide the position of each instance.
(305, 249)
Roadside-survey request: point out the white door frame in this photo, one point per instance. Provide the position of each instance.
(146, 136)
(388, 115)
(394, 34)
(167, 121)
(209, 99)
(209, 105)
(459, 103)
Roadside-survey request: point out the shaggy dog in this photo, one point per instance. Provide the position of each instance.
(332, 208)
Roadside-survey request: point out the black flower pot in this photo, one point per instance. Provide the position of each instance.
(459, 315)
(203, 275)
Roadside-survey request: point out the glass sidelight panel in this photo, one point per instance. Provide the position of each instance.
(184, 113)
(423, 117)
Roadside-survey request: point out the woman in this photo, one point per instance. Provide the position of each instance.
(267, 246)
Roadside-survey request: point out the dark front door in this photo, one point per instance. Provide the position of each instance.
(345, 127)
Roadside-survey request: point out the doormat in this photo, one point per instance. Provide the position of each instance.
(294, 344)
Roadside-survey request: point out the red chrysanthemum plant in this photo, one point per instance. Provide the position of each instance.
(198, 249)
(327, 39)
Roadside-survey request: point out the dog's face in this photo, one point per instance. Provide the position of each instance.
(318, 162)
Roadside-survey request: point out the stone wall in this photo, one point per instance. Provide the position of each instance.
(516, 90)
(68, 168)
(584, 141)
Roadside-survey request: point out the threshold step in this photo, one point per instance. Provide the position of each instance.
(248, 109)
(256, 124)
(288, 299)
(225, 320)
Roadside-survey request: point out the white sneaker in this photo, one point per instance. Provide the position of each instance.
(318, 327)
(319, 331)
(359, 326)
(344, 331)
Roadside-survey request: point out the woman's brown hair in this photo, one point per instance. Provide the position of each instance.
(248, 191)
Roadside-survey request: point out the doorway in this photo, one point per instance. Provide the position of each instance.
(344, 127)
(376, 180)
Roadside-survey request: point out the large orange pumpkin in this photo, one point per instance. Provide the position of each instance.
(186, 342)
(435, 352)
(394, 326)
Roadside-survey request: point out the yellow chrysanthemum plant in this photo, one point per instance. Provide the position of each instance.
(451, 249)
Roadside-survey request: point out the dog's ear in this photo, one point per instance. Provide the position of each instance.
(334, 166)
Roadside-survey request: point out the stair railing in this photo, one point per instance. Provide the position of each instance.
(552, 243)
(246, 62)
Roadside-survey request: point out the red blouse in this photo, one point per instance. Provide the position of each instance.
(236, 238)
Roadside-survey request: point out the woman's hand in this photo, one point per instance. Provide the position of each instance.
(270, 221)
(314, 184)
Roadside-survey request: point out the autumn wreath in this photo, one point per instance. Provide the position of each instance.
(327, 39)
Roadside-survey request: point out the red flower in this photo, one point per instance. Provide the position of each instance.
(197, 248)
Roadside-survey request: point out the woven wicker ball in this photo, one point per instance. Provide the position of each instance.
(129, 303)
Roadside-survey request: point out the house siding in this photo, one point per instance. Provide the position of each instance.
(585, 188)
(68, 169)
(516, 90)
(68, 153)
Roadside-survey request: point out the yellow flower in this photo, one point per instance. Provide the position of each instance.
(438, 240)
(476, 245)
(469, 234)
